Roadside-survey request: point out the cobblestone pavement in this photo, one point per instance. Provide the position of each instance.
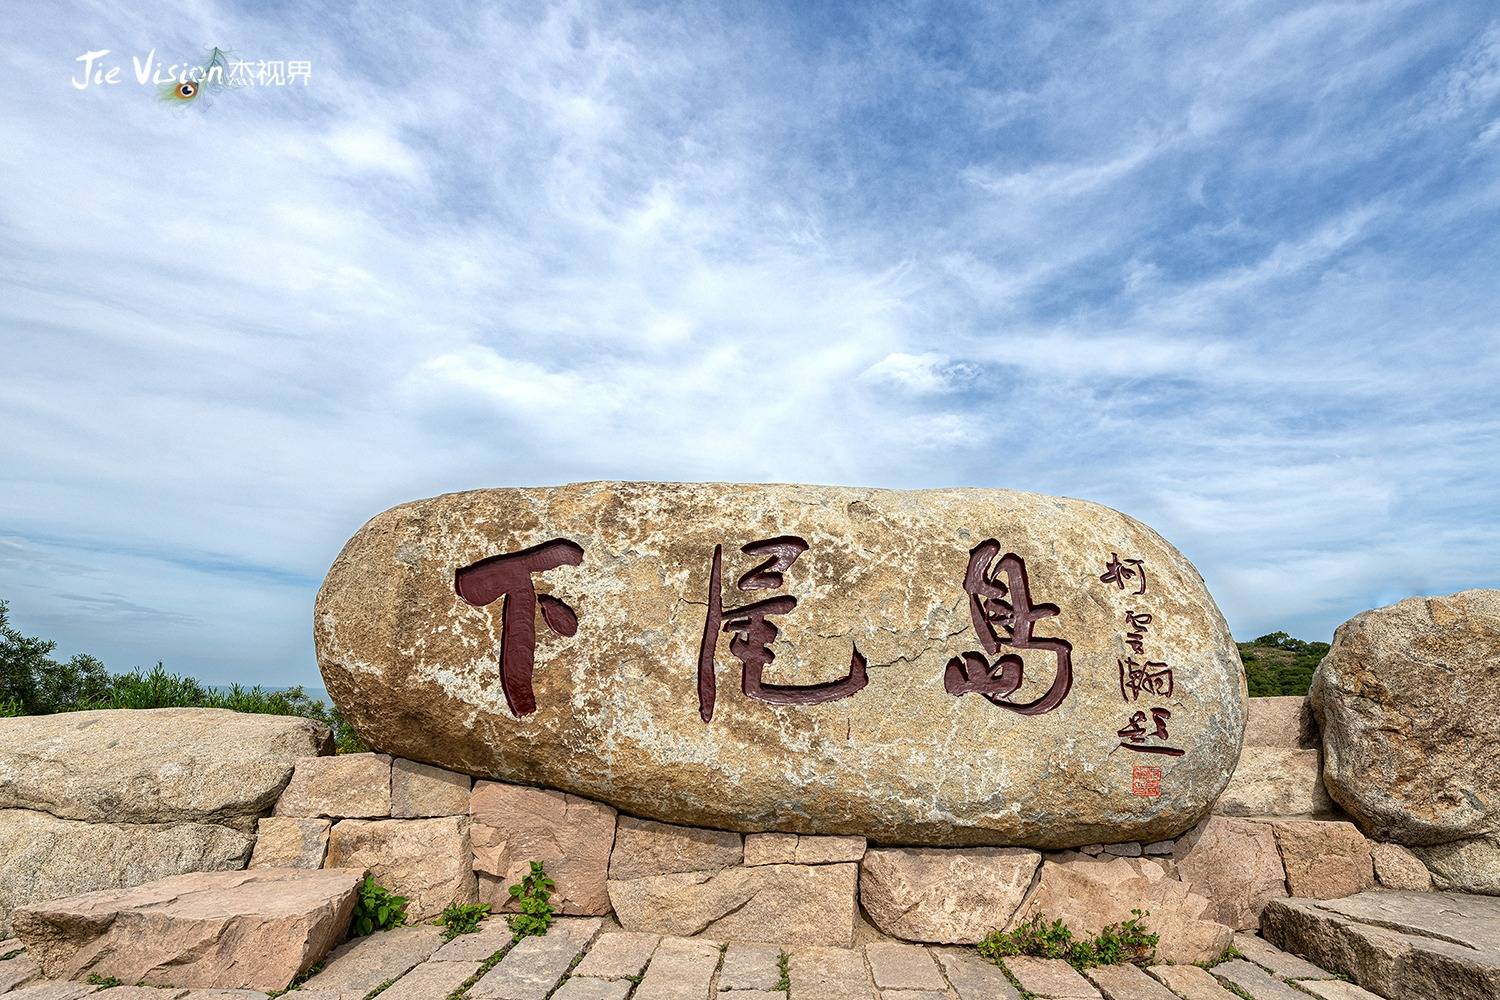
(583, 959)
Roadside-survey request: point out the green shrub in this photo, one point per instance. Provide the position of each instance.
(462, 918)
(532, 894)
(97, 980)
(1116, 944)
(377, 909)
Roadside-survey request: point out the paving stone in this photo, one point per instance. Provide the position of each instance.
(829, 974)
(750, 967)
(18, 971)
(1255, 981)
(972, 977)
(142, 993)
(618, 954)
(903, 967)
(1051, 978)
(53, 990)
(752, 995)
(430, 981)
(588, 988)
(1127, 982)
(226, 995)
(913, 995)
(1190, 982)
(534, 966)
(681, 969)
(1281, 964)
(355, 968)
(494, 935)
(1337, 989)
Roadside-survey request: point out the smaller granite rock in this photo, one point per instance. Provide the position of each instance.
(55, 989)
(1089, 893)
(143, 993)
(1127, 850)
(1236, 864)
(681, 969)
(829, 974)
(1274, 781)
(429, 861)
(584, 988)
(1159, 849)
(18, 971)
(1398, 868)
(1051, 978)
(1285, 722)
(896, 966)
(349, 786)
(358, 966)
(1190, 982)
(419, 791)
(431, 981)
(645, 847)
(1324, 860)
(1127, 982)
(1471, 865)
(973, 978)
(514, 825)
(812, 850)
(1337, 989)
(1252, 980)
(749, 967)
(494, 935)
(1281, 964)
(780, 904)
(618, 955)
(290, 842)
(944, 895)
(254, 929)
(770, 848)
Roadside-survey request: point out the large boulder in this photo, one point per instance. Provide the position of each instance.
(44, 858)
(944, 895)
(254, 930)
(616, 641)
(161, 765)
(1469, 865)
(1407, 699)
(1088, 894)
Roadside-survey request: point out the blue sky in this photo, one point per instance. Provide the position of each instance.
(1237, 275)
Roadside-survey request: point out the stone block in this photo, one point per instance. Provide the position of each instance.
(645, 847)
(1051, 978)
(618, 955)
(780, 904)
(55, 989)
(584, 988)
(514, 825)
(1396, 867)
(1190, 982)
(813, 850)
(972, 977)
(429, 861)
(1236, 864)
(348, 786)
(1324, 860)
(420, 791)
(493, 935)
(681, 969)
(829, 974)
(1337, 989)
(1127, 982)
(770, 848)
(1469, 865)
(1283, 721)
(1274, 781)
(534, 967)
(290, 842)
(1275, 961)
(18, 972)
(896, 966)
(430, 981)
(1128, 850)
(749, 967)
(1254, 981)
(944, 895)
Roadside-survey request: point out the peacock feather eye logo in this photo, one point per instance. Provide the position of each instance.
(197, 80)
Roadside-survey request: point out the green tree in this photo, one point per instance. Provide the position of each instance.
(1277, 664)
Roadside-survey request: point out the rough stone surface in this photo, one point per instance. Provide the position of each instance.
(494, 935)
(617, 716)
(53, 990)
(1324, 860)
(1279, 963)
(944, 895)
(290, 842)
(896, 966)
(44, 858)
(1397, 944)
(829, 850)
(1285, 721)
(1334, 989)
(749, 967)
(829, 974)
(430, 981)
(419, 791)
(1132, 849)
(1190, 982)
(161, 765)
(142, 993)
(1090, 893)
(17, 972)
(972, 977)
(681, 969)
(429, 861)
(770, 848)
(534, 966)
(1275, 781)
(1236, 864)
(578, 988)
(1403, 698)
(780, 904)
(617, 954)
(1255, 981)
(1051, 978)
(644, 847)
(1127, 982)
(514, 826)
(358, 966)
(252, 929)
(351, 785)
(1396, 867)
(1471, 865)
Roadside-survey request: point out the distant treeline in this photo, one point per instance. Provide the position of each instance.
(33, 683)
(1279, 664)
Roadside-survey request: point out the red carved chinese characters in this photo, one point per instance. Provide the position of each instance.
(1121, 571)
(754, 632)
(1004, 615)
(508, 577)
(1134, 736)
(1153, 677)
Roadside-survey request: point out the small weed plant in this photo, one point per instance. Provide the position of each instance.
(533, 894)
(97, 980)
(1128, 941)
(377, 909)
(462, 918)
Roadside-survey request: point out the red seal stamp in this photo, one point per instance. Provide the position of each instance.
(1145, 781)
